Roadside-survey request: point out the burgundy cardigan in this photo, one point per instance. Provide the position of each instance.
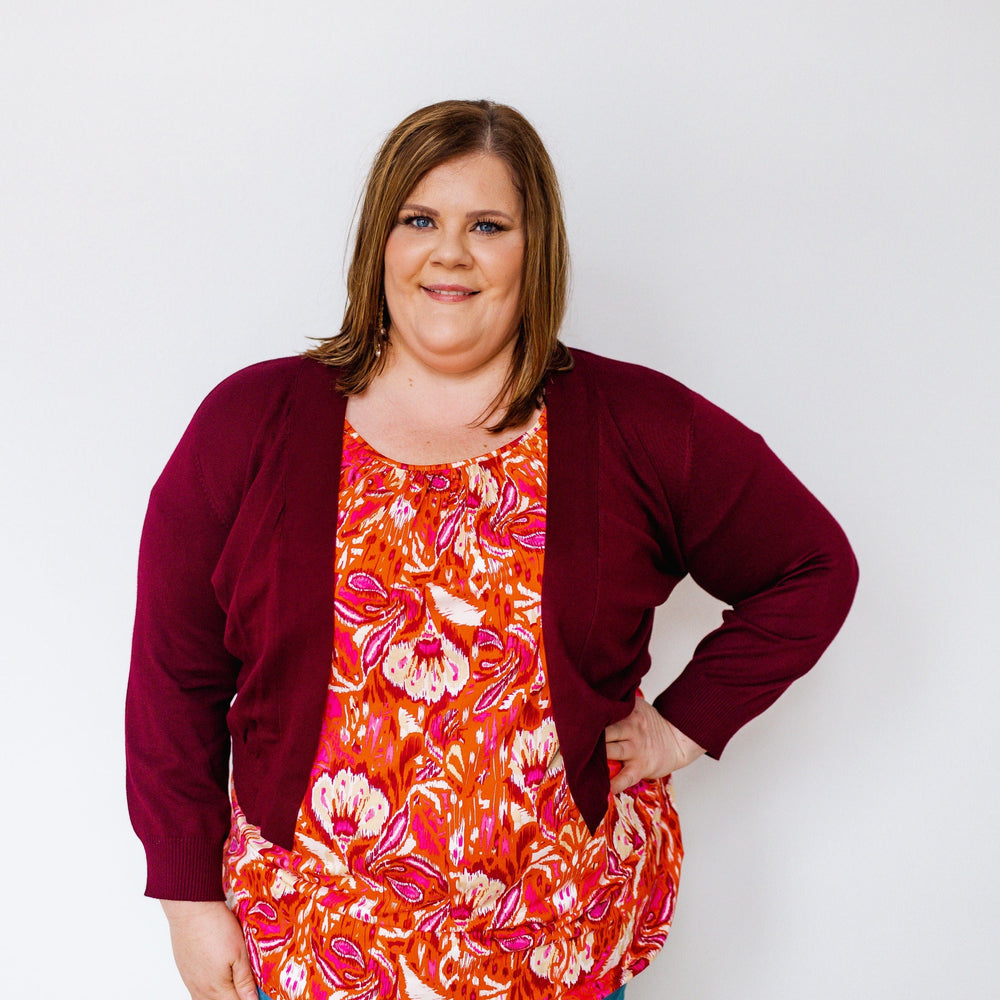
(647, 482)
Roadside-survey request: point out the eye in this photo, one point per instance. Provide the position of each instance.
(489, 227)
(417, 221)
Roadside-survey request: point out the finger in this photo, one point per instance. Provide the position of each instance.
(621, 750)
(628, 776)
(621, 730)
(243, 981)
(616, 731)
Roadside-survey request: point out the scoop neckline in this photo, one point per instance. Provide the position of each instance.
(524, 436)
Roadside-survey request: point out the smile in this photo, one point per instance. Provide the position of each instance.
(449, 293)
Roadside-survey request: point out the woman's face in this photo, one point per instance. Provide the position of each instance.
(453, 265)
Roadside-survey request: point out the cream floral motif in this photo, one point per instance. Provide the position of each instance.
(439, 852)
(561, 961)
(427, 668)
(293, 979)
(347, 806)
(534, 756)
(475, 894)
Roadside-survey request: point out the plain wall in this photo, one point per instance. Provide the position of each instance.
(791, 207)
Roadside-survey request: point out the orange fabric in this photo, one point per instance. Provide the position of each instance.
(438, 852)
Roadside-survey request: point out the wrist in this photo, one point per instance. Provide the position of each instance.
(182, 910)
(688, 749)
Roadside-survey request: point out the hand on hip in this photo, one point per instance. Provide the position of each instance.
(647, 746)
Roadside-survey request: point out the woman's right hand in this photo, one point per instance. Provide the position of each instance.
(209, 950)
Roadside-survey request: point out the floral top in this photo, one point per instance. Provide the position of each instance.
(438, 852)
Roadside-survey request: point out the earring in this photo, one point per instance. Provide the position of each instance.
(381, 337)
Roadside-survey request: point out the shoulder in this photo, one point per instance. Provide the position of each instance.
(243, 420)
(258, 387)
(664, 430)
(623, 380)
(634, 392)
(631, 392)
(261, 395)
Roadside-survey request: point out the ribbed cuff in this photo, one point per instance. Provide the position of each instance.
(184, 868)
(701, 717)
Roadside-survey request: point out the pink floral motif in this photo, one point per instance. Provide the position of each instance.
(362, 976)
(515, 523)
(412, 879)
(655, 916)
(377, 614)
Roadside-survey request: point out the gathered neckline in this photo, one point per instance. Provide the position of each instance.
(512, 445)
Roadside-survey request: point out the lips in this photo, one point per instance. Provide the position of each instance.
(449, 293)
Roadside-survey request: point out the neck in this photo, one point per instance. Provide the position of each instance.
(440, 397)
(423, 416)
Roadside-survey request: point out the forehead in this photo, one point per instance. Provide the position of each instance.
(476, 181)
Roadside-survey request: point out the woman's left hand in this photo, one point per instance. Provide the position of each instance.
(647, 745)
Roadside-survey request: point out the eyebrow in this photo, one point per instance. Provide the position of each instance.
(433, 213)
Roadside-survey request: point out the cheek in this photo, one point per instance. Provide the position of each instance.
(509, 271)
(401, 260)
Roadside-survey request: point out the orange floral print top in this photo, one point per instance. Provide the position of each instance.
(438, 852)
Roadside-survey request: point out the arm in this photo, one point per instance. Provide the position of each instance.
(751, 535)
(183, 677)
(181, 682)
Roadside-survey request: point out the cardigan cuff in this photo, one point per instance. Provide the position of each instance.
(184, 868)
(687, 705)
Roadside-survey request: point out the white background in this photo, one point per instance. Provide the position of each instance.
(791, 206)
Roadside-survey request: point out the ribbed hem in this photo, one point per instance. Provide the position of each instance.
(184, 868)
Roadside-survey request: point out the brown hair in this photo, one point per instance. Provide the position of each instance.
(420, 142)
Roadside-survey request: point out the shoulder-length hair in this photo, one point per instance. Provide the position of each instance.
(420, 142)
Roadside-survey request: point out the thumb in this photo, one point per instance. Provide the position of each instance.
(627, 777)
(243, 981)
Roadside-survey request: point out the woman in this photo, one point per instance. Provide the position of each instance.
(470, 797)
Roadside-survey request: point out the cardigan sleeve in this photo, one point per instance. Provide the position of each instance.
(752, 536)
(182, 677)
(181, 682)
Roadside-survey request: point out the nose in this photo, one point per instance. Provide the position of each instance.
(451, 248)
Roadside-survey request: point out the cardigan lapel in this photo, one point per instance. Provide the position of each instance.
(572, 540)
(305, 590)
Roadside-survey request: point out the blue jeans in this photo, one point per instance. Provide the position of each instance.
(617, 995)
